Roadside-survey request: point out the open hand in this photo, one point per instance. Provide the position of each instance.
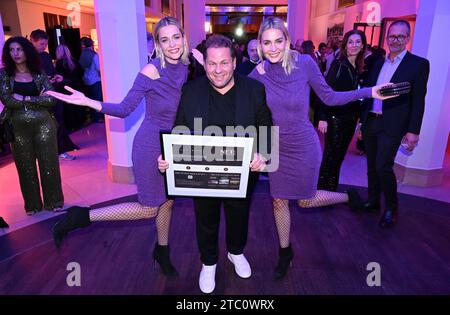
(76, 98)
(198, 56)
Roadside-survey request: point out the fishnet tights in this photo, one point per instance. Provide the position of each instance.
(282, 220)
(283, 215)
(323, 198)
(136, 211)
(163, 222)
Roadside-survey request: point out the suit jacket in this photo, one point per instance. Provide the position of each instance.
(251, 107)
(404, 113)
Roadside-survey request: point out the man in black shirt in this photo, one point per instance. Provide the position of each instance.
(231, 100)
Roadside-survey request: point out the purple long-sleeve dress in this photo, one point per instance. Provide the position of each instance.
(161, 99)
(299, 147)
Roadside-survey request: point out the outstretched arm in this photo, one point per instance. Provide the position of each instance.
(142, 84)
(76, 98)
(332, 98)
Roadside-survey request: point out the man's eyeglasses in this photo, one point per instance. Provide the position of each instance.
(399, 38)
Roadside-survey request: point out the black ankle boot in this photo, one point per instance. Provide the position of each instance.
(161, 255)
(3, 223)
(354, 200)
(284, 261)
(76, 217)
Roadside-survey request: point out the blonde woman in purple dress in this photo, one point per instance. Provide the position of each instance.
(288, 78)
(159, 83)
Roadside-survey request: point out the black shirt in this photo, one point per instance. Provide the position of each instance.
(222, 108)
(25, 88)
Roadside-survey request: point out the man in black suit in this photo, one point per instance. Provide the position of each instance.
(247, 67)
(388, 123)
(222, 98)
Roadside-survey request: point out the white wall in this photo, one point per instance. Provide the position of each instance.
(154, 13)
(318, 24)
(31, 16)
(194, 21)
(10, 16)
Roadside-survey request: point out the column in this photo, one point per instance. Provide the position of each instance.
(194, 21)
(122, 48)
(298, 19)
(425, 166)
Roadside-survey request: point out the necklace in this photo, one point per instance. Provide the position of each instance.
(22, 72)
(22, 76)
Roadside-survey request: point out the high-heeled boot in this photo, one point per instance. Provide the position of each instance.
(284, 261)
(76, 217)
(354, 200)
(3, 223)
(161, 254)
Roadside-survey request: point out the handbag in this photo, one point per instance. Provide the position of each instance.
(6, 127)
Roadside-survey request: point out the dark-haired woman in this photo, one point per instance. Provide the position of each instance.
(338, 123)
(21, 90)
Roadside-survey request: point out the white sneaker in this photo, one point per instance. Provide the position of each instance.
(241, 265)
(66, 156)
(207, 280)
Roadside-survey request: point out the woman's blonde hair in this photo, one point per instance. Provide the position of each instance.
(159, 53)
(63, 53)
(289, 57)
